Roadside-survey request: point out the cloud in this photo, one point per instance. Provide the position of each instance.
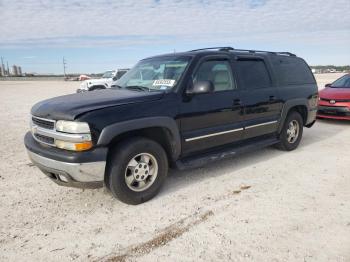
(64, 23)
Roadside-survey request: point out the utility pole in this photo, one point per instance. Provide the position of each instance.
(64, 66)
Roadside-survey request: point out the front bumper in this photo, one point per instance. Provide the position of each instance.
(73, 169)
(339, 111)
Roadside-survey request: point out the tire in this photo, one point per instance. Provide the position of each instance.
(293, 121)
(137, 169)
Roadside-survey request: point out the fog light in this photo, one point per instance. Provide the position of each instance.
(63, 178)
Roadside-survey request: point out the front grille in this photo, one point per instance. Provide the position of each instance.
(47, 124)
(336, 100)
(44, 139)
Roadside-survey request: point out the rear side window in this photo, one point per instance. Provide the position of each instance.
(253, 73)
(292, 71)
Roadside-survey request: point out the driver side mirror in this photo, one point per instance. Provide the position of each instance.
(328, 85)
(200, 87)
(115, 78)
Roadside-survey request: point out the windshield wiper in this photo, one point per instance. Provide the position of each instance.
(141, 88)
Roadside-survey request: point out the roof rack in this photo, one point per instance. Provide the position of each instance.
(228, 48)
(220, 48)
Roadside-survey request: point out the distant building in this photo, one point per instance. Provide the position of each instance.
(19, 70)
(14, 70)
(2, 71)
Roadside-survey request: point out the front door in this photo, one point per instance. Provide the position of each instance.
(214, 119)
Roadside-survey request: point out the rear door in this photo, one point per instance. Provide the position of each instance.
(260, 97)
(210, 120)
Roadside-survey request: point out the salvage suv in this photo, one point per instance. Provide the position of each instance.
(179, 110)
(106, 81)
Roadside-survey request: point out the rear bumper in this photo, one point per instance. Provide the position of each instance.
(82, 170)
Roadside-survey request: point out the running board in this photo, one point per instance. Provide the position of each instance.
(203, 159)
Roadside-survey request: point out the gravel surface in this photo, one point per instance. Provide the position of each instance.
(263, 206)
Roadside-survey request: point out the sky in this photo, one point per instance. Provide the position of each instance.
(99, 35)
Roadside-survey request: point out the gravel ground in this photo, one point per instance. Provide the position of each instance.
(264, 206)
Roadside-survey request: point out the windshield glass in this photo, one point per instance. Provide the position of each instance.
(108, 74)
(343, 82)
(153, 74)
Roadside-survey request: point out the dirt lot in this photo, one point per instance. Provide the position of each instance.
(264, 206)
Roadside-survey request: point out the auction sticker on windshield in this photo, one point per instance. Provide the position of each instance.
(164, 82)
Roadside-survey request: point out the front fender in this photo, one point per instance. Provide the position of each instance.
(110, 132)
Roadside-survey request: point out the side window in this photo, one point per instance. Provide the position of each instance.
(218, 72)
(254, 73)
(293, 71)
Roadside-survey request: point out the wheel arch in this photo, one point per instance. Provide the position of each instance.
(298, 105)
(163, 130)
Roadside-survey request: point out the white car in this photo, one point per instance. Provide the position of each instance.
(102, 83)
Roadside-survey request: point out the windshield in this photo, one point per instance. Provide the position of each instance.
(108, 74)
(153, 74)
(343, 82)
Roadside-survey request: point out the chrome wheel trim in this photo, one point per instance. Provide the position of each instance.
(141, 172)
(293, 131)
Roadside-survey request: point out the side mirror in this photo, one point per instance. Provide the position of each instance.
(115, 78)
(200, 87)
(328, 85)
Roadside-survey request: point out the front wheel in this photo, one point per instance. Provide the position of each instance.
(138, 168)
(291, 133)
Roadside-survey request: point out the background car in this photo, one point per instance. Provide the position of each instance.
(102, 83)
(334, 101)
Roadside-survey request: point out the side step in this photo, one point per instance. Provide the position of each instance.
(205, 158)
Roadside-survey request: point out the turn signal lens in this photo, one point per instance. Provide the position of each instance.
(83, 146)
(73, 146)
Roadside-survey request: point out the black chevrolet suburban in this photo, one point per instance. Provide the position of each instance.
(176, 110)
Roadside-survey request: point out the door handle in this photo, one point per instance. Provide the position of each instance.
(272, 98)
(237, 102)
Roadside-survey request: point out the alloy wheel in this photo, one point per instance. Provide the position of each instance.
(141, 172)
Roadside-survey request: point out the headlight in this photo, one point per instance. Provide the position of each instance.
(84, 85)
(72, 127)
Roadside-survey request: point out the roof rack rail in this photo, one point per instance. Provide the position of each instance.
(220, 48)
(261, 51)
(228, 48)
(285, 53)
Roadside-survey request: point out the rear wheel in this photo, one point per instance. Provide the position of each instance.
(137, 170)
(291, 133)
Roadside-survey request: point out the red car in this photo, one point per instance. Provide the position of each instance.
(334, 101)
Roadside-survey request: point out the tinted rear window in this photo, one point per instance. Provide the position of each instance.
(292, 71)
(253, 74)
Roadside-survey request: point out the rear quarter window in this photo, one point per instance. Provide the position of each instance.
(292, 71)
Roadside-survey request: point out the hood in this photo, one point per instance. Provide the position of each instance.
(68, 107)
(335, 93)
